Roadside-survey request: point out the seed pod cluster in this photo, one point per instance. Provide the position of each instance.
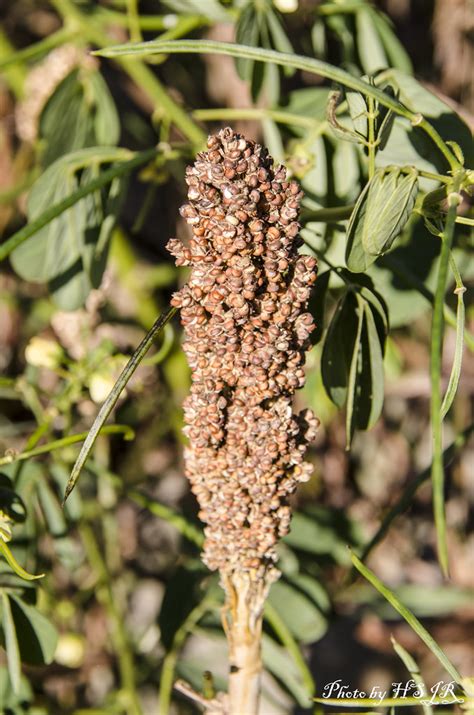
(246, 334)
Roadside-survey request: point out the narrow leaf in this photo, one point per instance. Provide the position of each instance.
(113, 397)
(11, 644)
(355, 367)
(412, 667)
(13, 563)
(458, 353)
(412, 621)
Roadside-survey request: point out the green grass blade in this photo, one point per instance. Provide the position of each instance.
(412, 621)
(64, 442)
(308, 64)
(105, 177)
(437, 329)
(458, 352)
(114, 395)
(412, 667)
(11, 644)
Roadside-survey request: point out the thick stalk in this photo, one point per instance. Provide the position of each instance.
(243, 615)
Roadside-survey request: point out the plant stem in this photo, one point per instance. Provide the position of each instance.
(314, 66)
(261, 113)
(119, 636)
(437, 470)
(63, 442)
(139, 72)
(104, 178)
(242, 621)
(371, 149)
(63, 35)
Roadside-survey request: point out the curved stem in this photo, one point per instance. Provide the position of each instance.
(437, 471)
(314, 66)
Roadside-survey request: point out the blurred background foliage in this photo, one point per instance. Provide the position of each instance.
(125, 606)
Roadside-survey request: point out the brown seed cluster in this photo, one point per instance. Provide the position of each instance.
(246, 333)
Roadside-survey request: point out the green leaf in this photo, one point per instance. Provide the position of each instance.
(279, 38)
(317, 305)
(396, 53)
(369, 46)
(247, 33)
(294, 601)
(70, 252)
(458, 355)
(11, 644)
(412, 621)
(37, 637)
(352, 358)
(9, 700)
(379, 216)
(320, 530)
(338, 349)
(13, 563)
(358, 112)
(51, 509)
(79, 113)
(211, 9)
(281, 665)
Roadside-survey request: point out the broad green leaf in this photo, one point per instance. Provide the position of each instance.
(281, 665)
(408, 145)
(70, 251)
(358, 112)
(211, 9)
(338, 349)
(11, 644)
(318, 39)
(279, 38)
(296, 606)
(320, 530)
(317, 304)
(369, 46)
(9, 700)
(247, 33)
(80, 113)
(37, 637)
(346, 172)
(352, 359)
(51, 509)
(379, 216)
(396, 53)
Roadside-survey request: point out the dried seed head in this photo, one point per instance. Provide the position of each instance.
(243, 312)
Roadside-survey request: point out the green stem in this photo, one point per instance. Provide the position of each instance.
(64, 442)
(437, 328)
(169, 663)
(63, 35)
(120, 639)
(331, 215)
(189, 531)
(53, 212)
(260, 113)
(410, 279)
(138, 71)
(371, 149)
(314, 66)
